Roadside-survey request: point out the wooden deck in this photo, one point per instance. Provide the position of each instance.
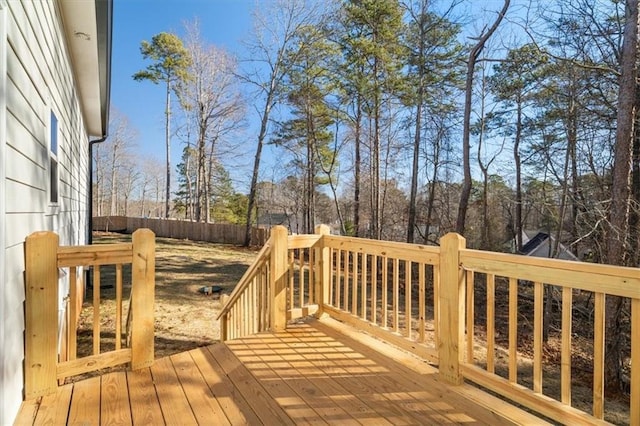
(317, 372)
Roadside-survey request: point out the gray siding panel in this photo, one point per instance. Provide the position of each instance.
(20, 139)
(8, 402)
(23, 169)
(25, 202)
(38, 79)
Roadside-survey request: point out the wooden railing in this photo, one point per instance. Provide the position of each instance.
(304, 273)
(387, 288)
(47, 360)
(533, 286)
(283, 283)
(423, 299)
(246, 310)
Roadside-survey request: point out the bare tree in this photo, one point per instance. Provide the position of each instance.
(484, 164)
(129, 178)
(330, 167)
(274, 32)
(212, 101)
(111, 158)
(474, 54)
(148, 172)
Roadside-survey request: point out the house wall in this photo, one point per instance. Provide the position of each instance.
(544, 249)
(37, 80)
(3, 83)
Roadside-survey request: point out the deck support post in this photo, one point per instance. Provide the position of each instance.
(322, 265)
(278, 279)
(452, 308)
(143, 267)
(41, 314)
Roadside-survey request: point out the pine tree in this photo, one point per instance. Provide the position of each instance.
(170, 62)
(373, 63)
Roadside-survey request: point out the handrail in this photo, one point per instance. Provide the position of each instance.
(92, 255)
(614, 280)
(249, 274)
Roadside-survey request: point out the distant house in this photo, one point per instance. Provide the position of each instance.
(55, 58)
(541, 245)
(272, 219)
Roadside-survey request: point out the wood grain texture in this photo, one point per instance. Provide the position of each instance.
(41, 314)
(145, 407)
(315, 372)
(452, 308)
(85, 404)
(142, 295)
(114, 400)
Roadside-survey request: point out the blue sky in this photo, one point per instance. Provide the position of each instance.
(222, 22)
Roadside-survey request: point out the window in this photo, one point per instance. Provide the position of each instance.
(53, 160)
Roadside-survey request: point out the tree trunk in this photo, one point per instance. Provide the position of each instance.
(357, 164)
(209, 186)
(189, 204)
(310, 201)
(620, 191)
(329, 172)
(466, 132)
(114, 179)
(634, 219)
(572, 136)
(432, 187)
(144, 199)
(201, 192)
(256, 170)
(518, 164)
(414, 169)
(167, 136)
(375, 185)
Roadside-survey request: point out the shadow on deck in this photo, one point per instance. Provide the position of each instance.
(318, 371)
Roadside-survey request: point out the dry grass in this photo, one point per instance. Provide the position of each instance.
(184, 317)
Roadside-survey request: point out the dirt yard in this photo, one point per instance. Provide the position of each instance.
(184, 316)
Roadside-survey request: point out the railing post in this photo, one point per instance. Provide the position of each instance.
(451, 300)
(41, 314)
(322, 272)
(278, 278)
(143, 267)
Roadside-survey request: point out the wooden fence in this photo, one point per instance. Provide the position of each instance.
(46, 361)
(182, 229)
(423, 299)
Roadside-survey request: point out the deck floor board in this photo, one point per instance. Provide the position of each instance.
(114, 399)
(173, 401)
(145, 407)
(315, 372)
(85, 402)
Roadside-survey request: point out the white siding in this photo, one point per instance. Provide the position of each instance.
(35, 79)
(7, 408)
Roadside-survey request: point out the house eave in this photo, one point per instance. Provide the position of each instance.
(88, 30)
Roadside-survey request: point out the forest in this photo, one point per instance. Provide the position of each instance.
(400, 120)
